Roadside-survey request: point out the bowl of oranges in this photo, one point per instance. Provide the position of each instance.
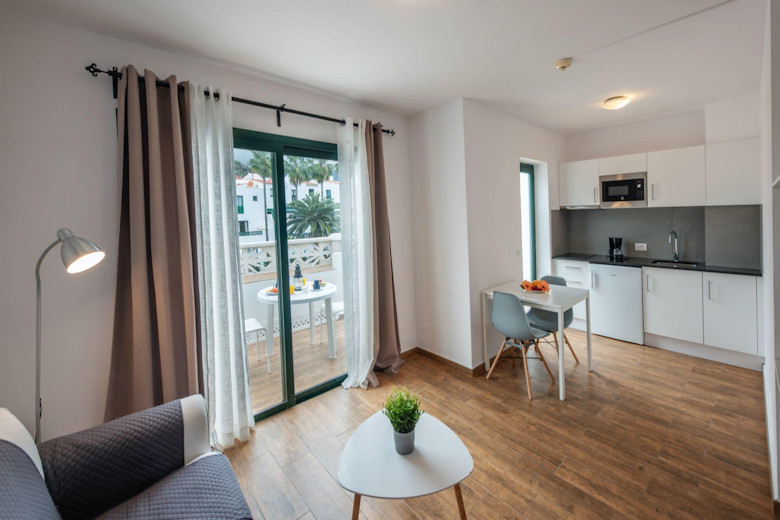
(535, 286)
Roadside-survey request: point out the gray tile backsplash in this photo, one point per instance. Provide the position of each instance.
(732, 236)
(728, 236)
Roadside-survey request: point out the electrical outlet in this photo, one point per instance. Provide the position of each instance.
(640, 246)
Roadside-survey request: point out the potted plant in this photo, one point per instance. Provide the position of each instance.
(402, 408)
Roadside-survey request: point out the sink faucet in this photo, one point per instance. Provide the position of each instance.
(676, 251)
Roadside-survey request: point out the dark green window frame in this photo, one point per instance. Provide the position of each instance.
(240, 203)
(280, 146)
(528, 169)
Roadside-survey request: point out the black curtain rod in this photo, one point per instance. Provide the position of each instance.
(116, 75)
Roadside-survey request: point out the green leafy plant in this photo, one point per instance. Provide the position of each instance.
(313, 215)
(403, 409)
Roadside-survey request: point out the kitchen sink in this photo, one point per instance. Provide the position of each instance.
(676, 265)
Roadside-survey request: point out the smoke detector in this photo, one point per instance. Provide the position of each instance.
(563, 64)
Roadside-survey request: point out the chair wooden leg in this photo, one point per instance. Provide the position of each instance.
(525, 367)
(544, 361)
(495, 361)
(514, 357)
(555, 341)
(566, 339)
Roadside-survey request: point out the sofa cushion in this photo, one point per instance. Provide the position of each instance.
(23, 492)
(206, 489)
(91, 471)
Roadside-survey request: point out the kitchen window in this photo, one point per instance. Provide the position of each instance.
(528, 221)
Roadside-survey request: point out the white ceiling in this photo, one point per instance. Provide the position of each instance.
(410, 55)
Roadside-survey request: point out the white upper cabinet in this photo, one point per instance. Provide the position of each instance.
(633, 163)
(673, 304)
(730, 312)
(676, 177)
(734, 173)
(579, 183)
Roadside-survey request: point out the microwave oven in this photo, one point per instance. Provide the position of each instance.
(626, 190)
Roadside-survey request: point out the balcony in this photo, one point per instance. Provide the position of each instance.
(319, 258)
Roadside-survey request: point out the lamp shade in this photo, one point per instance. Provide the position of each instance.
(78, 254)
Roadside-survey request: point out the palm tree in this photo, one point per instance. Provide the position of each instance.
(313, 214)
(322, 170)
(297, 170)
(262, 164)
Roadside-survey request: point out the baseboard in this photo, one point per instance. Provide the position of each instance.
(418, 351)
(406, 354)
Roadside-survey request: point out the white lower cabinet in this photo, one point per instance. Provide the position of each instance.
(673, 303)
(577, 274)
(714, 309)
(730, 312)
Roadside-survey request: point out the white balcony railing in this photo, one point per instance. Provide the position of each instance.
(258, 259)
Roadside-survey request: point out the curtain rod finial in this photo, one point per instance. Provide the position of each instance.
(93, 69)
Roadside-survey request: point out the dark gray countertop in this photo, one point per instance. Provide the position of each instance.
(648, 262)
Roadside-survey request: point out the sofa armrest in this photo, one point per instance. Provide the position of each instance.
(89, 472)
(196, 428)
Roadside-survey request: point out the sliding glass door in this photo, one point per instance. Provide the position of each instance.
(289, 227)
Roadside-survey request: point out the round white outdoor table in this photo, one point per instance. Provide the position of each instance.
(370, 466)
(307, 295)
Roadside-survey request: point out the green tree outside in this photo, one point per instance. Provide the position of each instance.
(313, 214)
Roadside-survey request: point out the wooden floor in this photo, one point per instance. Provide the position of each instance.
(648, 434)
(310, 362)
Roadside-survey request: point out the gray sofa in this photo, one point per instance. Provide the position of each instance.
(152, 464)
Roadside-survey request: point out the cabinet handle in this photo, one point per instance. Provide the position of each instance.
(652, 191)
(595, 199)
(709, 289)
(574, 268)
(592, 280)
(647, 283)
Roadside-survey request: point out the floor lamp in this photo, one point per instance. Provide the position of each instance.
(78, 254)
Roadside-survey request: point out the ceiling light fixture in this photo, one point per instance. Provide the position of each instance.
(615, 102)
(563, 64)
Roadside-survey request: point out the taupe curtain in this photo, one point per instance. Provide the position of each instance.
(387, 347)
(155, 349)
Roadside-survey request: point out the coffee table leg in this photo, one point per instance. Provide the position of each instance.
(461, 506)
(356, 507)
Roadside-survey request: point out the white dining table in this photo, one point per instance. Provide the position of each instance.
(558, 300)
(306, 295)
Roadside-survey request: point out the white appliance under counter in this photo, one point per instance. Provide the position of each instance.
(616, 302)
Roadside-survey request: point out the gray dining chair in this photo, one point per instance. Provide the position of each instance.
(510, 320)
(548, 320)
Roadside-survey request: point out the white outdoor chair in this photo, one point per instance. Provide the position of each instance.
(252, 325)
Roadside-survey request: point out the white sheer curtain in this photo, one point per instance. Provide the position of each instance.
(357, 256)
(225, 363)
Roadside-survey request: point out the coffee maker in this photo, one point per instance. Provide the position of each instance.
(616, 249)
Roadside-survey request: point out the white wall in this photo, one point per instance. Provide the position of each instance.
(769, 123)
(495, 145)
(441, 236)
(732, 119)
(58, 168)
(727, 120)
(646, 136)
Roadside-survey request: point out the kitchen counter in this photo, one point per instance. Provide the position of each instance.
(648, 262)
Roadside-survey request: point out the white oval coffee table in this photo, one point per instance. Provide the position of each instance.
(370, 466)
